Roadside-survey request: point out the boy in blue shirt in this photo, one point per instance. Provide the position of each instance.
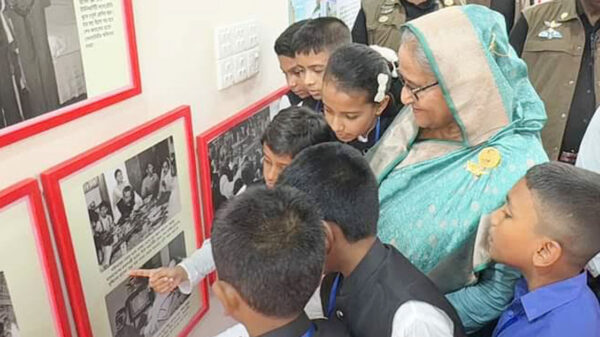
(549, 229)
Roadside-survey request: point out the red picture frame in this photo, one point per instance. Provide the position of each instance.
(51, 182)
(203, 140)
(28, 190)
(33, 126)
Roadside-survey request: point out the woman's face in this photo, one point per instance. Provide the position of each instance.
(431, 110)
(165, 166)
(119, 177)
(349, 114)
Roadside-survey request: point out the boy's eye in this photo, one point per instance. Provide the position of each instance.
(351, 117)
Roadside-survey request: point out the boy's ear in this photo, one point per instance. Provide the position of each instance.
(329, 237)
(547, 253)
(228, 296)
(383, 105)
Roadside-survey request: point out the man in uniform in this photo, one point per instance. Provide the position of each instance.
(378, 21)
(558, 41)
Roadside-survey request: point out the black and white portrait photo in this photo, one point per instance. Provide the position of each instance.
(131, 201)
(41, 68)
(8, 321)
(135, 310)
(236, 158)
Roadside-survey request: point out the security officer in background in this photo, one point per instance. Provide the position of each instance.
(378, 21)
(558, 40)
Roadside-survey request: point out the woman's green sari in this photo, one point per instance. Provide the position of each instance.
(433, 193)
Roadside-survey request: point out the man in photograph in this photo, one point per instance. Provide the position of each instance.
(118, 190)
(92, 212)
(28, 18)
(129, 203)
(9, 108)
(150, 182)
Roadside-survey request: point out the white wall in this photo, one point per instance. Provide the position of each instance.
(178, 66)
(177, 63)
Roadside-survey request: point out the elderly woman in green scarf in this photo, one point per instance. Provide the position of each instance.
(469, 131)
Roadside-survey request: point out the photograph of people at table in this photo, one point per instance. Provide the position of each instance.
(128, 203)
(236, 158)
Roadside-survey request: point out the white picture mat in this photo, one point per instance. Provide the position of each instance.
(94, 284)
(24, 271)
(106, 64)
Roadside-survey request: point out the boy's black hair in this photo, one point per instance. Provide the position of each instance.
(321, 34)
(294, 129)
(103, 204)
(127, 188)
(269, 244)
(355, 67)
(342, 184)
(567, 202)
(283, 44)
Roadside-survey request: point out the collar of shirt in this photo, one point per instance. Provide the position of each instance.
(426, 5)
(543, 300)
(414, 11)
(365, 270)
(297, 327)
(579, 12)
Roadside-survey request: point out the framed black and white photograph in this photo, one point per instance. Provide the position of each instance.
(129, 203)
(41, 67)
(62, 59)
(236, 158)
(230, 154)
(31, 298)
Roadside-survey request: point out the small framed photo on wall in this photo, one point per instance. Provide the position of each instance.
(31, 300)
(129, 203)
(62, 59)
(230, 154)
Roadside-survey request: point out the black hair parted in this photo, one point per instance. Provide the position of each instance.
(341, 182)
(294, 129)
(283, 44)
(568, 202)
(269, 244)
(355, 67)
(321, 34)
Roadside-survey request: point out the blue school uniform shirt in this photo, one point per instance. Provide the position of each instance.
(565, 308)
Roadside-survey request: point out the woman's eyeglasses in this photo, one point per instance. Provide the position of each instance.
(414, 92)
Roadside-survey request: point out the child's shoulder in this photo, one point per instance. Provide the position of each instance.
(581, 315)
